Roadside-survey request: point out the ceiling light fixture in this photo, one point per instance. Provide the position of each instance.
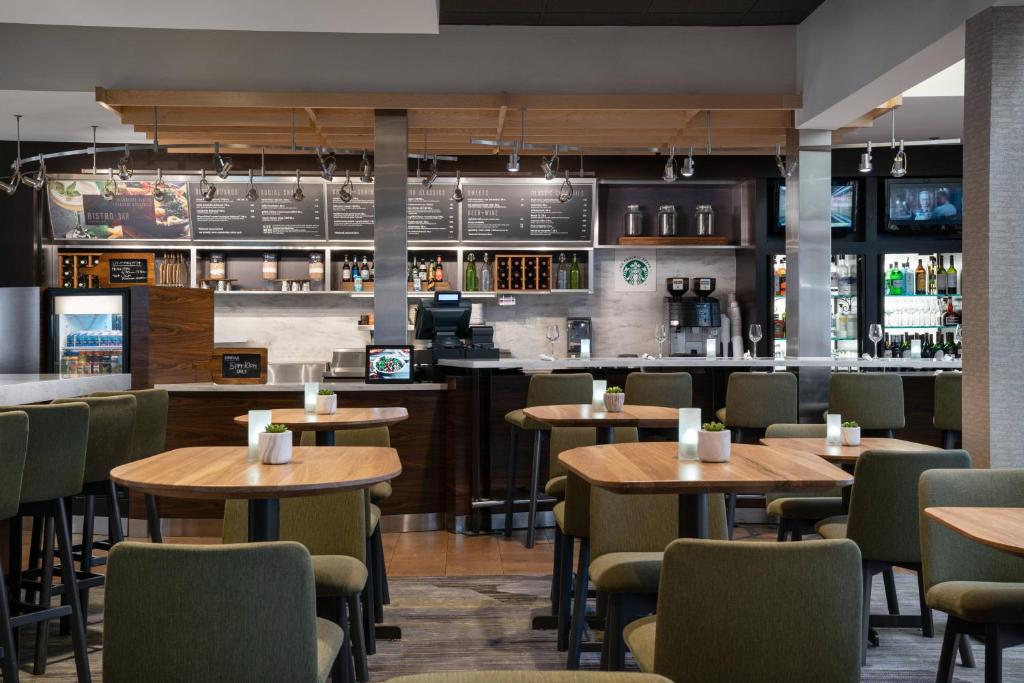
(550, 166)
(125, 168)
(327, 165)
(899, 162)
(158, 186)
(223, 164)
(298, 195)
(365, 170)
(457, 192)
(207, 189)
(37, 182)
(513, 160)
(781, 165)
(252, 194)
(11, 186)
(110, 186)
(865, 160)
(566, 192)
(345, 191)
(687, 170)
(428, 182)
(669, 174)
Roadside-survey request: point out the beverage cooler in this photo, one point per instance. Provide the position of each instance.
(844, 305)
(87, 331)
(922, 301)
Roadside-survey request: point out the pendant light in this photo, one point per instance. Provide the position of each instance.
(687, 169)
(11, 186)
(428, 182)
(207, 189)
(221, 163)
(365, 170)
(899, 162)
(457, 192)
(298, 195)
(669, 174)
(109, 186)
(550, 166)
(513, 158)
(37, 182)
(327, 165)
(158, 186)
(566, 192)
(125, 169)
(865, 161)
(345, 191)
(252, 194)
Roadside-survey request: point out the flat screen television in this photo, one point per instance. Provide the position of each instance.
(844, 206)
(924, 204)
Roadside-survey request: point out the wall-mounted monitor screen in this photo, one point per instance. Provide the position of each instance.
(844, 206)
(924, 205)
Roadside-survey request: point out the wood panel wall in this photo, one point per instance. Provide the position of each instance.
(171, 335)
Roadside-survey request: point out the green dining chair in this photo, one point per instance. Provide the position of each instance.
(214, 613)
(949, 407)
(530, 677)
(979, 587)
(874, 400)
(54, 471)
(544, 389)
(148, 438)
(883, 522)
(708, 629)
(665, 389)
(13, 449)
(798, 512)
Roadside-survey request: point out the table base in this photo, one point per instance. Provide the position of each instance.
(693, 515)
(325, 437)
(384, 632)
(264, 519)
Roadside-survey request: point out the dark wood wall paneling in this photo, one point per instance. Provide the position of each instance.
(172, 335)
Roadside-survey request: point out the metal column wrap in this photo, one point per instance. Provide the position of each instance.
(390, 241)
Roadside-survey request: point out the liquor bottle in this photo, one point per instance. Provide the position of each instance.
(424, 276)
(438, 271)
(848, 283)
(562, 274)
(920, 278)
(940, 278)
(909, 280)
(951, 278)
(931, 276)
(949, 348)
(886, 346)
(842, 272)
(469, 280)
(485, 274)
(364, 270)
(835, 275)
(346, 270)
(414, 277)
(372, 273)
(574, 274)
(895, 280)
(357, 279)
(780, 273)
(950, 319)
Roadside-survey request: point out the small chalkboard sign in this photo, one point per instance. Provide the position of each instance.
(133, 271)
(241, 365)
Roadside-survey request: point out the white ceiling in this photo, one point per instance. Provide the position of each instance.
(60, 116)
(947, 83)
(319, 16)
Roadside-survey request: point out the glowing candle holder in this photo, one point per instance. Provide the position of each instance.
(915, 348)
(711, 348)
(689, 425)
(833, 429)
(311, 389)
(258, 421)
(600, 385)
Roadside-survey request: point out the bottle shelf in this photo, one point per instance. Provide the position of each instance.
(918, 327)
(925, 296)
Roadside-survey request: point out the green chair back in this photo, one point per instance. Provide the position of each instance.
(577, 491)
(948, 401)
(370, 436)
(564, 389)
(883, 519)
(55, 461)
(13, 448)
(755, 400)
(111, 430)
(949, 556)
(726, 611)
(209, 613)
(150, 434)
(874, 400)
(666, 389)
(795, 431)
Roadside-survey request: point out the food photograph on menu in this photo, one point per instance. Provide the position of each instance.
(115, 209)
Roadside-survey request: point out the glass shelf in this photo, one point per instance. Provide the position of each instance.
(916, 327)
(927, 296)
(832, 338)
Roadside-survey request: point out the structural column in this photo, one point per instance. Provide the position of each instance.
(808, 258)
(992, 279)
(390, 241)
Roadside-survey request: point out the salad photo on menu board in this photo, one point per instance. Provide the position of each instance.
(79, 210)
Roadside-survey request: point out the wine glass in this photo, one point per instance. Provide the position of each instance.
(552, 336)
(875, 335)
(660, 335)
(754, 334)
(958, 334)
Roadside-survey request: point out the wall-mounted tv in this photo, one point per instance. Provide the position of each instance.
(844, 206)
(924, 205)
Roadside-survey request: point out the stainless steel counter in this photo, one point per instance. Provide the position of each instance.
(339, 387)
(36, 388)
(536, 364)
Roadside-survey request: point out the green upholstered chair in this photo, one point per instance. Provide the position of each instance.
(148, 438)
(798, 512)
(754, 400)
(666, 389)
(332, 528)
(707, 629)
(214, 613)
(54, 470)
(874, 400)
(13, 447)
(553, 389)
(883, 522)
(949, 406)
(530, 677)
(980, 588)
(628, 536)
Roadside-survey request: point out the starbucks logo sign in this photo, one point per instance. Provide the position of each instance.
(635, 271)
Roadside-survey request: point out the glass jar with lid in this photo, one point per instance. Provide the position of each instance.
(633, 221)
(316, 266)
(667, 219)
(269, 266)
(218, 266)
(705, 220)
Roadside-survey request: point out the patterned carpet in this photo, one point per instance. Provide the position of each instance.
(462, 623)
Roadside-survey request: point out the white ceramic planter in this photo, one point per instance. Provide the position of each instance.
(613, 402)
(276, 448)
(326, 404)
(714, 446)
(849, 436)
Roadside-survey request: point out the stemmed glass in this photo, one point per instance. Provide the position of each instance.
(875, 335)
(552, 336)
(754, 335)
(660, 335)
(958, 334)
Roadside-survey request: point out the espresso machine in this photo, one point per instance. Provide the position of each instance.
(691, 320)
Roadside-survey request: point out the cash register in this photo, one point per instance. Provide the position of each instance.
(444, 322)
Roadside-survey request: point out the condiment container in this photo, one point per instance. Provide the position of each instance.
(218, 267)
(633, 221)
(667, 217)
(705, 220)
(269, 266)
(316, 266)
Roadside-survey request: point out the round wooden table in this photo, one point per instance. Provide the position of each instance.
(1001, 528)
(297, 419)
(587, 415)
(226, 472)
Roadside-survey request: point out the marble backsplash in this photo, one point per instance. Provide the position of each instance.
(299, 328)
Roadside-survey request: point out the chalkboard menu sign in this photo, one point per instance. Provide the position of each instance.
(241, 365)
(274, 216)
(432, 214)
(523, 212)
(128, 271)
(352, 220)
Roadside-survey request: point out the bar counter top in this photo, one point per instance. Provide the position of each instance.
(536, 364)
(36, 388)
(337, 386)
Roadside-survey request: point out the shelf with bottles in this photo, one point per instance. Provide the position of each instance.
(73, 268)
(934, 275)
(535, 272)
(431, 269)
(257, 270)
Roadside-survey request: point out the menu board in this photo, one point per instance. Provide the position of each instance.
(113, 210)
(241, 365)
(523, 212)
(432, 214)
(128, 270)
(352, 220)
(274, 216)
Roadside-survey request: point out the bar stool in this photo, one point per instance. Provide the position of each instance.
(949, 407)
(54, 469)
(873, 400)
(566, 389)
(148, 438)
(13, 448)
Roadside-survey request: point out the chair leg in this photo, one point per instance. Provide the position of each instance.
(865, 614)
(115, 531)
(15, 532)
(579, 606)
(927, 626)
(510, 492)
(966, 653)
(70, 584)
(891, 599)
(783, 529)
(730, 513)
(377, 557)
(796, 530)
(153, 519)
(565, 593)
(385, 590)
(9, 662)
(531, 517)
(612, 627)
(948, 439)
(355, 621)
(34, 553)
(556, 571)
(993, 654)
(45, 597)
(947, 656)
(369, 627)
(342, 670)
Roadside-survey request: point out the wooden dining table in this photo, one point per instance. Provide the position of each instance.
(297, 419)
(1001, 528)
(228, 472)
(605, 421)
(655, 467)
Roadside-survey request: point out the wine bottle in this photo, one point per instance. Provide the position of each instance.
(364, 270)
(931, 276)
(951, 278)
(921, 278)
(562, 274)
(438, 271)
(346, 270)
(485, 274)
(469, 280)
(940, 278)
(574, 274)
(530, 273)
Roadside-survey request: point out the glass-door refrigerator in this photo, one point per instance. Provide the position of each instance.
(844, 305)
(87, 331)
(922, 301)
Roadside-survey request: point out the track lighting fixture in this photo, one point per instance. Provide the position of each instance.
(327, 165)
(899, 163)
(865, 161)
(669, 174)
(221, 163)
(365, 170)
(565, 193)
(207, 189)
(513, 159)
(125, 168)
(110, 186)
(298, 195)
(345, 191)
(457, 192)
(38, 181)
(11, 186)
(781, 165)
(158, 186)
(428, 182)
(687, 169)
(252, 194)
(550, 166)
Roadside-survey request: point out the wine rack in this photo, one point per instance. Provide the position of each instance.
(522, 272)
(72, 270)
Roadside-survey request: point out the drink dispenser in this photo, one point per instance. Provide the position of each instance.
(692, 320)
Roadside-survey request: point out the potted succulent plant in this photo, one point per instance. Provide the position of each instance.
(713, 442)
(275, 445)
(614, 399)
(326, 402)
(849, 434)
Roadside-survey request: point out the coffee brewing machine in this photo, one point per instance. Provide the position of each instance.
(691, 320)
